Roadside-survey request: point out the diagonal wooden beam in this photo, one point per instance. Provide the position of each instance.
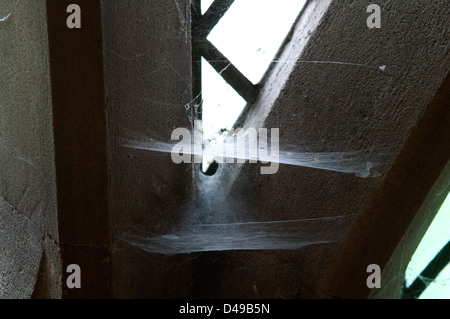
(203, 26)
(228, 71)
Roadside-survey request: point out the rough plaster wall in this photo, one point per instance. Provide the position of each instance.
(148, 83)
(337, 107)
(28, 229)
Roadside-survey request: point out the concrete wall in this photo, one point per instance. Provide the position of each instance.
(28, 221)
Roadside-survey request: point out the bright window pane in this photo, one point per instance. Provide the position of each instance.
(252, 31)
(436, 237)
(205, 5)
(439, 288)
(222, 105)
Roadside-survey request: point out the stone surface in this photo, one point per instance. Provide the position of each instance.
(28, 222)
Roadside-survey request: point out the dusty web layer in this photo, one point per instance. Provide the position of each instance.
(360, 163)
(274, 235)
(217, 221)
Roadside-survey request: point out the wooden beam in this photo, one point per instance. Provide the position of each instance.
(79, 121)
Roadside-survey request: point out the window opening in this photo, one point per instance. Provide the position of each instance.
(252, 31)
(235, 40)
(428, 273)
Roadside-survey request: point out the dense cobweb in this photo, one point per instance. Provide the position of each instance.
(215, 219)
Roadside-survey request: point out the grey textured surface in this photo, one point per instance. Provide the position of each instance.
(27, 187)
